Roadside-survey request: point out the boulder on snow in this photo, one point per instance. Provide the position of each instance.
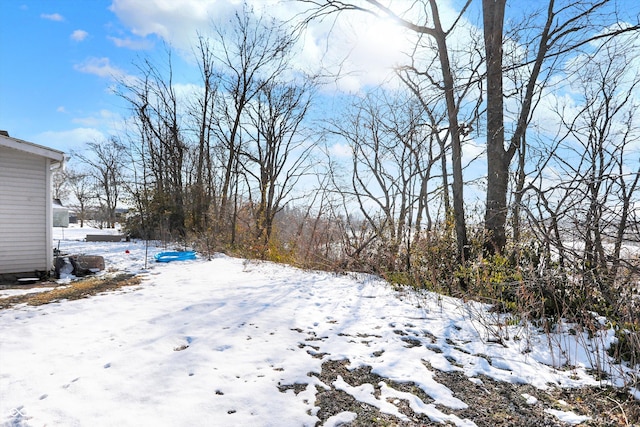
(78, 265)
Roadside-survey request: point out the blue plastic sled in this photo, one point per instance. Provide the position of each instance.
(175, 256)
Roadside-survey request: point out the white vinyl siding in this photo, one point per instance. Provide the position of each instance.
(23, 212)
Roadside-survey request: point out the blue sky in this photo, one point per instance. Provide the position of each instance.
(58, 59)
(50, 95)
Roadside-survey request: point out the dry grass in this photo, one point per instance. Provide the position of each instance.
(76, 290)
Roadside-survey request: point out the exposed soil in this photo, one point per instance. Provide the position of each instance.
(490, 403)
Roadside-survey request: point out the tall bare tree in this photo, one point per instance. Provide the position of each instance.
(278, 151)
(498, 160)
(564, 27)
(202, 113)
(252, 54)
(437, 32)
(154, 103)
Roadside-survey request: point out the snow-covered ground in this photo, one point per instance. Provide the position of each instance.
(209, 342)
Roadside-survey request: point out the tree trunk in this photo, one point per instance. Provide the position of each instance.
(456, 151)
(497, 157)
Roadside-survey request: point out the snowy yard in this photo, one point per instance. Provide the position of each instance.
(223, 342)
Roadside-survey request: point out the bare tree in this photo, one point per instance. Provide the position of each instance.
(278, 152)
(60, 184)
(252, 54)
(567, 25)
(316, 233)
(498, 160)
(82, 190)
(589, 181)
(202, 112)
(393, 153)
(446, 81)
(154, 103)
(105, 163)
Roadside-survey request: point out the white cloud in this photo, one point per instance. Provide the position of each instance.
(174, 22)
(128, 43)
(68, 140)
(100, 67)
(61, 109)
(79, 35)
(473, 151)
(361, 47)
(340, 150)
(52, 17)
(101, 118)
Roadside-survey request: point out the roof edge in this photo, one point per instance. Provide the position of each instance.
(30, 147)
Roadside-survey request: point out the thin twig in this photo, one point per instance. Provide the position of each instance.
(626, 421)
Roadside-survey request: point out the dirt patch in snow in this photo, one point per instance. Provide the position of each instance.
(490, 403)
(75, 290)
(496, 403)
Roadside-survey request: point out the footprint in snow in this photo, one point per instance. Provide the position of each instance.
(69, 383)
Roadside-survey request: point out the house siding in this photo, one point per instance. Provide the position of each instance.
(24, 203)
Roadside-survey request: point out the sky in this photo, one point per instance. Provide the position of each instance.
(223, 341)
(60, 57)
(52, 79)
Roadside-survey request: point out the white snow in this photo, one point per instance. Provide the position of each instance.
(340, 419)
(568, 416)
(531, 400)
(365, 393)
(419, 407)
(214, 343)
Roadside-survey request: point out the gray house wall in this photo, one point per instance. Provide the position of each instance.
(26, 245)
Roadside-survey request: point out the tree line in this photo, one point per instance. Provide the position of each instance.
(240, 162)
